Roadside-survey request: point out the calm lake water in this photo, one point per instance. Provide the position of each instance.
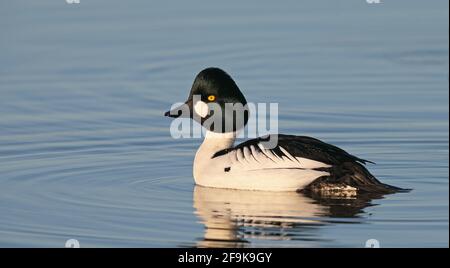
(86, 154)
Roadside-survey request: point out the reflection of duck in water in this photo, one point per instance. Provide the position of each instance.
(233, 217)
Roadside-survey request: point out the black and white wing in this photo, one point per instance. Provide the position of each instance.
(309, 153)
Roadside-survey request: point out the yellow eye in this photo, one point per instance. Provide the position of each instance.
(211, 98)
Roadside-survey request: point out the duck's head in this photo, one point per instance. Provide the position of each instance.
(215, 101)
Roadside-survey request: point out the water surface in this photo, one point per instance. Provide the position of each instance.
(85, 152)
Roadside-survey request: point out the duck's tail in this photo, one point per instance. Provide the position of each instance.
(350, 179)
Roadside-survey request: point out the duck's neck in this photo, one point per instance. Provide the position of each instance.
(215, 142)
(212, 143)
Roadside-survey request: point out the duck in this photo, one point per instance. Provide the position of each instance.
(292, 163)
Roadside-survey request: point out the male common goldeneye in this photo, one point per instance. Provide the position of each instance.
(295, 163)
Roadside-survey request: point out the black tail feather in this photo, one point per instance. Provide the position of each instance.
(356, 176)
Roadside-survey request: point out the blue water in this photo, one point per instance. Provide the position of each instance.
(86, 154)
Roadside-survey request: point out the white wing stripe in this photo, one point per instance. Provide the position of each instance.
(293, 159)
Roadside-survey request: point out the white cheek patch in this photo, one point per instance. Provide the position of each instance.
(201, 109)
